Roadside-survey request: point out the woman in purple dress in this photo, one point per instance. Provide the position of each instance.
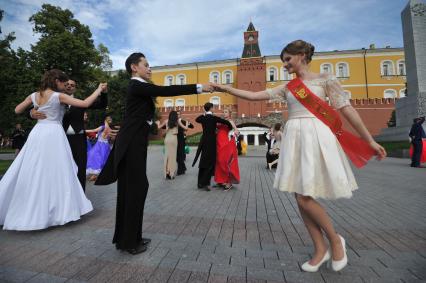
(98, 154)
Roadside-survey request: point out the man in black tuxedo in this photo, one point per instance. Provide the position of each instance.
(180, 152)
(74, 125)
(127, 160)
(207, 146)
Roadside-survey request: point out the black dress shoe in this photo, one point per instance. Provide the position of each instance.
(138, 250)
(146, 241)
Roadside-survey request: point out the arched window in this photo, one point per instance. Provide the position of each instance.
(387, 68)
(389, 93)
(215, 77)
(326, 68)
(402, 93)
(180, 102)
(227, 77)
(168, 80)
(181, 79)
(285, 75)
(168, 103)
(348, 94)
(272, 74)
(401, 68)
(342, 70)
(215, 100)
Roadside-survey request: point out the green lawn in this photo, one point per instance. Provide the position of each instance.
(389, 146)
(7, 150)
(4, 164)
(156, 142)
(190, 140)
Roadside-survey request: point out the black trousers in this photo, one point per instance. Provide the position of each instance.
(417, 153)
(79, 152)
(180, 156)
(205, 175)
(271, 157)
(132, 189)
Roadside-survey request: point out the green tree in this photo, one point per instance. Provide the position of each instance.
(106, 62)
(8, 79)
(65, 44)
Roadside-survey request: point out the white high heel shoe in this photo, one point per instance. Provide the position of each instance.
(338, 265)
(314, 268)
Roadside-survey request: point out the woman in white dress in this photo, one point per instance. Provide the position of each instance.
(41, 188)
(313, 164)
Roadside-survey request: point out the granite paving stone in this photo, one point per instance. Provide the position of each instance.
(252, 233)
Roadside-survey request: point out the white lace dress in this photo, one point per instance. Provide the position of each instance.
(312, 162)
(41, 188)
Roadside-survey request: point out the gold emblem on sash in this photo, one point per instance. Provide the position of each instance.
(302, 93)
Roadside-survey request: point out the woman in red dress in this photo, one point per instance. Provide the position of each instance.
(226, 170)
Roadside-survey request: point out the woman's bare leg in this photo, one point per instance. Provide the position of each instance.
(316, 236)
(319, 216)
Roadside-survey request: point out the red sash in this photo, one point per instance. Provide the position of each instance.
(358, 150)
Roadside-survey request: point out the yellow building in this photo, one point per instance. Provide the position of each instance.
(363, 73)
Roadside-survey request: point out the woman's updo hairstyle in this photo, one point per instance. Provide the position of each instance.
(299, 47)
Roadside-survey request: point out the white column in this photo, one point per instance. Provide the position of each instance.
(256, 139)
(246, 139)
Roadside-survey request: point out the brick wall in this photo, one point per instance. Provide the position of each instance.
(374, 112)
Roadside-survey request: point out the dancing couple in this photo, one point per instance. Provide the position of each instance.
(219, 157)
(41, 187)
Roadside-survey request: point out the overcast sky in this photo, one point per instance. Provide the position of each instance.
(184, 31)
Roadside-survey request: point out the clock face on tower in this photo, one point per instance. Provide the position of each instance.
(250, 38)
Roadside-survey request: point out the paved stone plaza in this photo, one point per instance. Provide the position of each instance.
(250, 234)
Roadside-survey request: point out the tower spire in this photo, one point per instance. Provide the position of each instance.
(251, 43)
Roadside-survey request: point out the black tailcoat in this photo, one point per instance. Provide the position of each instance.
(74, 116)
(127, 160)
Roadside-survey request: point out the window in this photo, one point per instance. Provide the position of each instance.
(285, 75)
(168, 80)
(180, 102)
(401, 68)
(215, 77)
(168, 103)
(389, 93)
(342, 70)
(326, 68)
(181, 79)
(227, 77)
(387, 68)
(215, 100)
(402, 92)
(272, 74)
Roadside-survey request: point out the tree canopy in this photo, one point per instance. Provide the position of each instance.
(65, 44)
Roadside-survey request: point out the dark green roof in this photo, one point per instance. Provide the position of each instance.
(251, 27)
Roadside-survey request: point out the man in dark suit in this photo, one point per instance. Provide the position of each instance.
(207, 146)
(127, 160)
(74, 125)
(180, 152)
(416, 134)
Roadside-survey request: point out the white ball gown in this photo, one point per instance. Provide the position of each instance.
(41, 188)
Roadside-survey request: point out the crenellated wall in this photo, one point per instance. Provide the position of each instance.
(374, 112)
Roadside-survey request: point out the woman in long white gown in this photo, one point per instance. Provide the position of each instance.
(312, 163)
(41, 188)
